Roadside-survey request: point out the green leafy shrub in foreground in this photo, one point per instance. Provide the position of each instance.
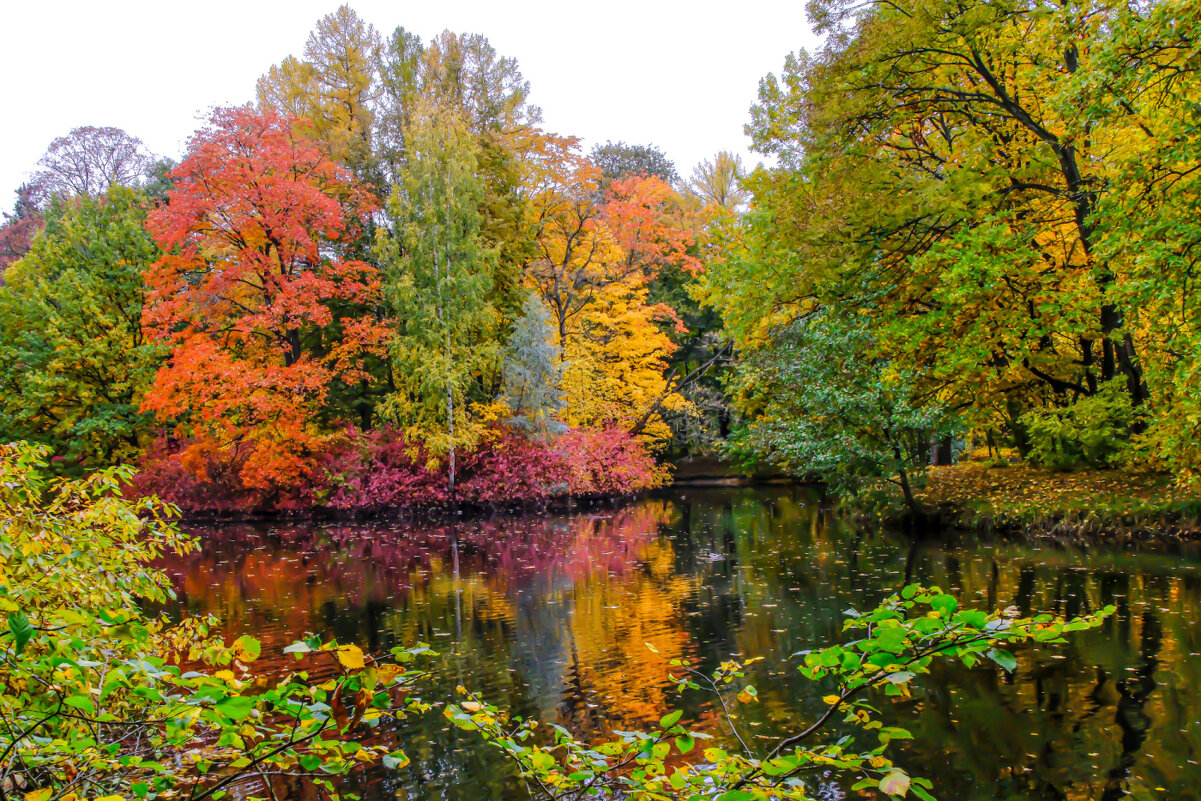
(887, 650)
(98, 700)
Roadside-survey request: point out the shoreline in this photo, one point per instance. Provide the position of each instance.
(1097, 506)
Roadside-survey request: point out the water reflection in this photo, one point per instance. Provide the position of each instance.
(551, 616)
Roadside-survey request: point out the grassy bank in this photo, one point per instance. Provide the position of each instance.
(1101, 504)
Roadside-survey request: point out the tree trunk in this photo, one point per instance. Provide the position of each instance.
(941, 451)
(915, 508)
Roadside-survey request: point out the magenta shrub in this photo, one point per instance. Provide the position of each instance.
(377, 471)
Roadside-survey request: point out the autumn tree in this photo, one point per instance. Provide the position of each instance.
(438, 272)
(592, 267)
(719, 182)
(88, 160)
(20, 226)
(944, 173)
(1141, 92)
(334, 88)
(262, 311)
(74, 361)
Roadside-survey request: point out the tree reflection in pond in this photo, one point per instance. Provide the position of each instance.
(551, 615)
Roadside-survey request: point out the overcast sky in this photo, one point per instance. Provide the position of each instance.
(680, 75)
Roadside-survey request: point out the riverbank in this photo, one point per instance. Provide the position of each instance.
(1087, 505)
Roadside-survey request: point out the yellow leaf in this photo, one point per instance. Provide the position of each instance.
(472, 706)
(350, 657)
(832, 699)
(388, 673)
(895, 783)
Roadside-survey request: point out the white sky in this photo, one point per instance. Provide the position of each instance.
(678, 74)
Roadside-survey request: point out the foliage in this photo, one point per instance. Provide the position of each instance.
(990, 186)
(719, 182)
(438, 273)
(617, 160)
(1092, 432)
(887, 649)
(532, 372)
(100, 700)
(833, 408)
(260, 309)
(20, 227)
(74, 361)
(383, 470)
(332, 89)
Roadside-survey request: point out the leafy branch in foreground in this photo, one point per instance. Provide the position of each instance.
(887, 649)
(99, 700)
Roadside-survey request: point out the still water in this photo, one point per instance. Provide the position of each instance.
(551, 615)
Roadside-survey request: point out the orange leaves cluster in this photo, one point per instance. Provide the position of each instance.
(649, 221)
(253, 282)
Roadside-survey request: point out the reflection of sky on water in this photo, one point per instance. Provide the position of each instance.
(551, 616)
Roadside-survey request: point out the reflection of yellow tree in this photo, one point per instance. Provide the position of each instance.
(613, 622)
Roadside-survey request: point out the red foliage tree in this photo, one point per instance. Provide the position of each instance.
(256, 297)
(20, 227)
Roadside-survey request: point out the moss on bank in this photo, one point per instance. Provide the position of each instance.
(1093, 504)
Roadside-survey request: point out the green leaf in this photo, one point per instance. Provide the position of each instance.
(247, 648)
(82, 702)
(944, 604)
(235, 707)
(1003, 658)
(21, 629)
(685, 743)
(671, 719)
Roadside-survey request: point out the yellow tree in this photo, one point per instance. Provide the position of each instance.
(333, 87)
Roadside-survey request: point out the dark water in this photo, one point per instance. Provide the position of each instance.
(552, 615)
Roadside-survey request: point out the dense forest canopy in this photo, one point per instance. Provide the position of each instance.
(384, 282)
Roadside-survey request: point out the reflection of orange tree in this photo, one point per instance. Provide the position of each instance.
(287, 580)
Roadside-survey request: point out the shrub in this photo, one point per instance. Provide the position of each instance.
(608, 461)
(374, 471)
(1094, 431)
(95, 700)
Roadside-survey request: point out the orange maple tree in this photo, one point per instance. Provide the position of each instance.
(263, 309)
(648, 219)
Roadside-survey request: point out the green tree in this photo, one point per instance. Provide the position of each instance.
(464, 72)
(438, 271)
(834, 409)
(617, 160)
(74, 364)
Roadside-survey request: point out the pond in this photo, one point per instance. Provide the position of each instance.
(552, 615)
